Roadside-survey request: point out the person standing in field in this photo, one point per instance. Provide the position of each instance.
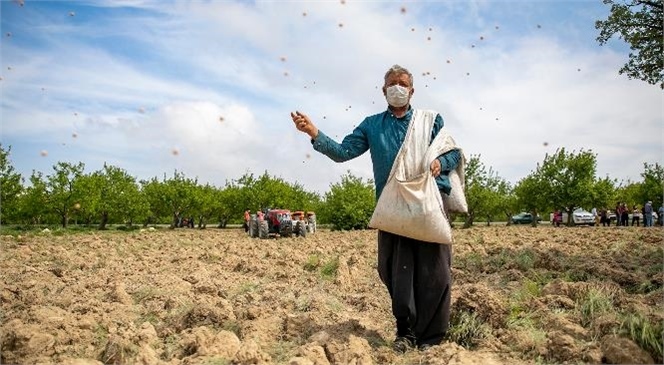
(647, 214)
(417, 274)
(636, 215)
(604, 218)
(247, 217)
(660, 215)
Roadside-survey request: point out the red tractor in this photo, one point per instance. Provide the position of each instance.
(276, 222)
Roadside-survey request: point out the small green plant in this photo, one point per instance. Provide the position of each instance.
(145, 293)
(577, 274)
(593, 304)
(303, 303)
(334, 305)
(467, 330)
(216, 360)
(282, 351)
(472, 261)
(312, 263)
(525, 260)
(232, 326)
(645, 333)
(246, 287)
(329, 270)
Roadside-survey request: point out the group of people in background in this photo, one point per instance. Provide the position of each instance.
(645, 214)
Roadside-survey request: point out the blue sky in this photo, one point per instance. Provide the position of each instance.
(206, 87)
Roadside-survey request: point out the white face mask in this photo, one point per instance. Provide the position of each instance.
(397, 96)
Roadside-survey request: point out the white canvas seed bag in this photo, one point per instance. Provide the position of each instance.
(411, 205)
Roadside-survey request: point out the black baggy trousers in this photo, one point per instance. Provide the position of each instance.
(418, 277)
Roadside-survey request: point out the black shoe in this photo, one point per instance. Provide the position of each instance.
(402, 344)
(425, 347)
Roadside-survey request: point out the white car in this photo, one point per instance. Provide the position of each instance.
(580, 216)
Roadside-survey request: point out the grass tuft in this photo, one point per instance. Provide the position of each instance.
(329, 270)
(593, 304)
(645, 333)
(467, 329)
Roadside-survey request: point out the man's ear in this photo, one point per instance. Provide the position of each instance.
(384, 90)
(412, 91)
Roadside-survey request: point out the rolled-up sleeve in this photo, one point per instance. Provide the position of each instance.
(449, 160)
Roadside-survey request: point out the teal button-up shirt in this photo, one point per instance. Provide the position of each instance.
(382, 134)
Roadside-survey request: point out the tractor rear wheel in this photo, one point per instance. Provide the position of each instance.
(263, 230)
(301, 229)
(253, 228)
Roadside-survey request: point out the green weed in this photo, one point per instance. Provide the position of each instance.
(329, 270)
(467, 330)
(593, 304)
(312, 263)
(282, 351)
(145, 293)
(232, 326)
(525, 260)
(644, 332)
(216, 360)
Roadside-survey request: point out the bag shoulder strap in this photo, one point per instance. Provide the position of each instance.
(422, 119)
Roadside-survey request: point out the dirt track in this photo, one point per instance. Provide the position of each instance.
(520, 295)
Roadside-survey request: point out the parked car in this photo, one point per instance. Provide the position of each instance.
(524, 218)
(579, 216)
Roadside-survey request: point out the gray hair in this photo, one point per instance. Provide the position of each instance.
(396, 69)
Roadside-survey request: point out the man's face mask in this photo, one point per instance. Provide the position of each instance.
(397, 96)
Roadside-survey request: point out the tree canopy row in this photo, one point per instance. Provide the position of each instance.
(564, 180)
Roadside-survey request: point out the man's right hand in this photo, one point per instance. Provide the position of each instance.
(304, 124)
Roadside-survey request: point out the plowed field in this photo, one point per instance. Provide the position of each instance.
(520, 295)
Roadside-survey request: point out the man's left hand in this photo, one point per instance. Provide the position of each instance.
(435, 168)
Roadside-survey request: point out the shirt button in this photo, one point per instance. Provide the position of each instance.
(404, 267)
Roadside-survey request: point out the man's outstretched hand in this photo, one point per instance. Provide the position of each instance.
(303, 124)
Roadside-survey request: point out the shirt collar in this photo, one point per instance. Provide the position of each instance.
(406, 117)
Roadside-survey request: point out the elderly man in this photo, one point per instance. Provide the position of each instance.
(417, 274)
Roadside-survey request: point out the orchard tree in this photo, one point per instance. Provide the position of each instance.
(60, 187)
(629, 193)
(563, 180)
(88, 199)
(652, 188)
(33, 203)
(271, 192)
(11, 186)
(153, 191)
(231, 205)
(484, 190)
(206, 203)
(173, 197)
(506, 202)
(119, 197)
(350, 203)
(179, 196)
(529, 194)
(639, 23)
(604, 193)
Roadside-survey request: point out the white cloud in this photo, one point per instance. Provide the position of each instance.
(187, 64)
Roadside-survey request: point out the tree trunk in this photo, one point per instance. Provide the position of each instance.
(470, 217)
(65, 220)
(104, 221)
(534, 214)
